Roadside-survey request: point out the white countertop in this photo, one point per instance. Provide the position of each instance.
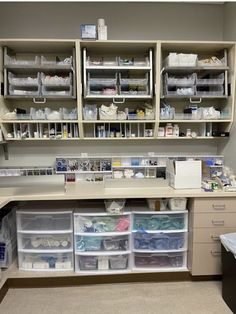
(97, 191)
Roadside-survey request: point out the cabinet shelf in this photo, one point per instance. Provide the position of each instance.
(195, 121)
(196, 68)
(118, 121)
(101, 253)
(103, 67)
(38, 121)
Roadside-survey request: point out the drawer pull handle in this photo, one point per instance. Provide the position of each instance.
(215, 238)
(215, 253)
(218, 222)
(219, 206)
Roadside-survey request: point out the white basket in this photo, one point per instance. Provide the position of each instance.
(114, 206)
(177, 203)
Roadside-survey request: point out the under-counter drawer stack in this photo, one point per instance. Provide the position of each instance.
(102, 243)
(160, 241)
(45, 240)
(209, 218)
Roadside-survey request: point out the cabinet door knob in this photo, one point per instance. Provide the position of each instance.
(215, 253)
(218, 206)
(215, 238)
(218, 222)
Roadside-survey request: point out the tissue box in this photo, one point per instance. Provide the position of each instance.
(184, 174)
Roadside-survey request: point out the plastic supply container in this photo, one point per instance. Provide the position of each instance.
(90, 112)
(23, 80)
(210, 90)
(45, 261)
(181, 60)
(56, 80)
(177, 203)
(115, 206)
(96, 61)
(105, 116)
(62, 91)
(22, 59)
(101, 263)
(213, 80)
(180, 80)
(60, 61)
(69, 114)
(8, 253)
(179, 91)
(24, 90)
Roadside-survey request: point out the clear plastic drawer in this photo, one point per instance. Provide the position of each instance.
(159, 222)
(24, 90)
(22, 59)
(35, 221)
(23, 80)
(104, 243)
(179, 91)
(45, 261)
(159, 260)
(45, 241)
(95, 224)
(161, 242)
(102, 61)
(101, 262)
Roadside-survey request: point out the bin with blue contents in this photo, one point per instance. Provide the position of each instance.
(228, 246)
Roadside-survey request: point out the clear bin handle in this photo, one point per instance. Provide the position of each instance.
(43, 101)
(215, 253)
(122, 101)
(215, 238)
(192, 101)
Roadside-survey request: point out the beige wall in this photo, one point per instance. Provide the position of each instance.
(125, 21)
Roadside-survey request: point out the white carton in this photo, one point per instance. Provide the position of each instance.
(184, 174)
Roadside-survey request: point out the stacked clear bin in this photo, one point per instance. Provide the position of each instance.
(160, 240)
(45, 240)
(102, 243)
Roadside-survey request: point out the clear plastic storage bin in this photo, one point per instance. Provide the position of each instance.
(213, 80)
(181, 60)
(23, 80)
(159, 260)
(144, 222)
(134, 61)
(8, 253)
(45, 261)
(69, 114)
(179, 91)
(210, 90)
(56, 80)
(180, 80)
(103, 243)
(90, 112)
(45, 241)
(22, 59)
(62, 91)
(45, 221)
(52, 60)
(95, 224)
(115, 206)
(102, 61)
(24, 90)
(177, 203)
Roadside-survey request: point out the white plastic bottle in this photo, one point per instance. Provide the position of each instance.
(169, 130)
(176, 130)
(102, 30)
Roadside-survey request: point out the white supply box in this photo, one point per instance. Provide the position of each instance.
(184, 174)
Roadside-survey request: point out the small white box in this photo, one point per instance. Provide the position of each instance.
(184, 174)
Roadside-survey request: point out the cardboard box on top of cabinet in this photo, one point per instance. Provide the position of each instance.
(184, 174)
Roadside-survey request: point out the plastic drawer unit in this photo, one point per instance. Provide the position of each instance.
(45, 239)
(101, 263)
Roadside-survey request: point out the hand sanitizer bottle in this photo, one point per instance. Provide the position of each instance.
(102, 30)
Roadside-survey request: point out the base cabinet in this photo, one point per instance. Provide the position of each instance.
(208, 219)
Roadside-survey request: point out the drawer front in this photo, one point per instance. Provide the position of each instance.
(206, 259)
(210, 235)
(216, 205)
(216, 220)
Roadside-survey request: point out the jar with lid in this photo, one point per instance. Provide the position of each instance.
(168, 130)
(188, 133)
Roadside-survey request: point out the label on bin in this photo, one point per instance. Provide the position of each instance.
(103, 262)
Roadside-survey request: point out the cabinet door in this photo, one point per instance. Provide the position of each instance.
(206, 259)
(216, 205)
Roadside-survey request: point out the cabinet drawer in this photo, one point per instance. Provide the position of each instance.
(216, 220)
(221, 204)
(210, 235)
(206, 259)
